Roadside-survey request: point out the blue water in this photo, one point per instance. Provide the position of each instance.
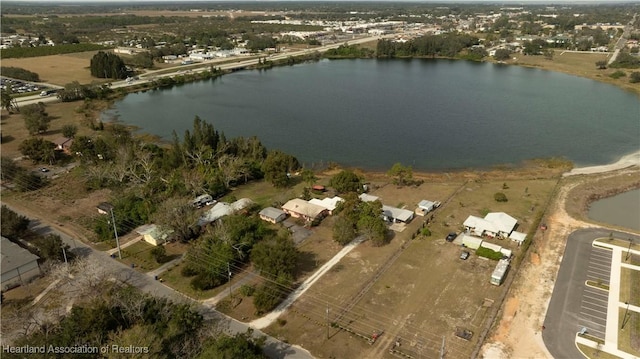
(430, 114)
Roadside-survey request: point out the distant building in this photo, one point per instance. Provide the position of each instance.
(19, 265)
(329, 203)
(393, 214)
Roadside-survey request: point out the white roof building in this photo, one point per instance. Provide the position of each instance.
(222, 209)
(504, 222)
(480, 226)
(518, 236)
(396, 214)
(329, 203)
(368, 198)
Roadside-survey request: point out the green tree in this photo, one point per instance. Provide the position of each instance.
(278, 167)
(346, 181)
(159, 253)
(51, 247)
(8, 169)
(13, 225)
(403, 175)
(241, 345)
(308, 177)
(6, 100)
(36, 118)
(69, 131)
(107, 65)
(38, 150)
(601, 65)
(374, 229)
(634, 77)
(344, 230)
(274, 257)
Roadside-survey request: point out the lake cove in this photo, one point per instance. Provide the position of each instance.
(429, 114)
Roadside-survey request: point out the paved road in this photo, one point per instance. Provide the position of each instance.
(564, 316)
(273, 348)
(622, 40)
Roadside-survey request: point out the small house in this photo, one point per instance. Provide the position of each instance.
(504, 223)
(393, 214)
(425, 207)
(272, 215)
(19, 265)
(299, 208)
(479, 226)
(154, 235)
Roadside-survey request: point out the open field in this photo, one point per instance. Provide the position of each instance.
(139, 254)
(579, 64)
(58, 69)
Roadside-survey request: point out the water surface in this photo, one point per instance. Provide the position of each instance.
(431, 114)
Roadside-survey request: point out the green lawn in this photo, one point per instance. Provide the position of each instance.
(629, 337)
(177, 281)
(139, 254)
(630, 286)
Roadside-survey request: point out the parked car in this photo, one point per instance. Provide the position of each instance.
(464, 255)
(44, 169)
(451, 236)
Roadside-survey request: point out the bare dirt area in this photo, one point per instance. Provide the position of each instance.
(58, 69)
(517, 334)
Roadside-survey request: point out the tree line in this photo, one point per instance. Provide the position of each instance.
(22, 52)
(446, 45)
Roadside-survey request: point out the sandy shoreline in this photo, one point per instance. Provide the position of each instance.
(632, 159)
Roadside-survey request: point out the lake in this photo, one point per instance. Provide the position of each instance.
(621, 210)
(430, 114)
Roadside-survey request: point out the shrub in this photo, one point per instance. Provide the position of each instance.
(188, 271)
(634, 77)
(247, 290)
(488, 253)
(426, 232)
(500, 197)
(159, 253)
(618, 74)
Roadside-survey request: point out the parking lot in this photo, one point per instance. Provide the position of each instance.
(18, 86)
(593, 307)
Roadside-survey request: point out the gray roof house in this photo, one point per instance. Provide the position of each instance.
(273, 215)
(18, 264)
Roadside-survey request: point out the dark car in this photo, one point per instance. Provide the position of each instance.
(451, 236)
(464, 255)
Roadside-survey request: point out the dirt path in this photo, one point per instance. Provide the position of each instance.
(518, 334)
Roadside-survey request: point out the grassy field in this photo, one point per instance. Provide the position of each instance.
(592, 353)
(579, 64)
(58, 69)
(630, 286)
(629, 337)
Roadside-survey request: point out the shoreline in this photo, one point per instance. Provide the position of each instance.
(626, 161)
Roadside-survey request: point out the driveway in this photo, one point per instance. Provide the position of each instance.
(581, 262)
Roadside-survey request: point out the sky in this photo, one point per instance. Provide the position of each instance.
(425, 1)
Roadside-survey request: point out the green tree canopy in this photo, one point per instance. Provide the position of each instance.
(346, 181)
(278, 167)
